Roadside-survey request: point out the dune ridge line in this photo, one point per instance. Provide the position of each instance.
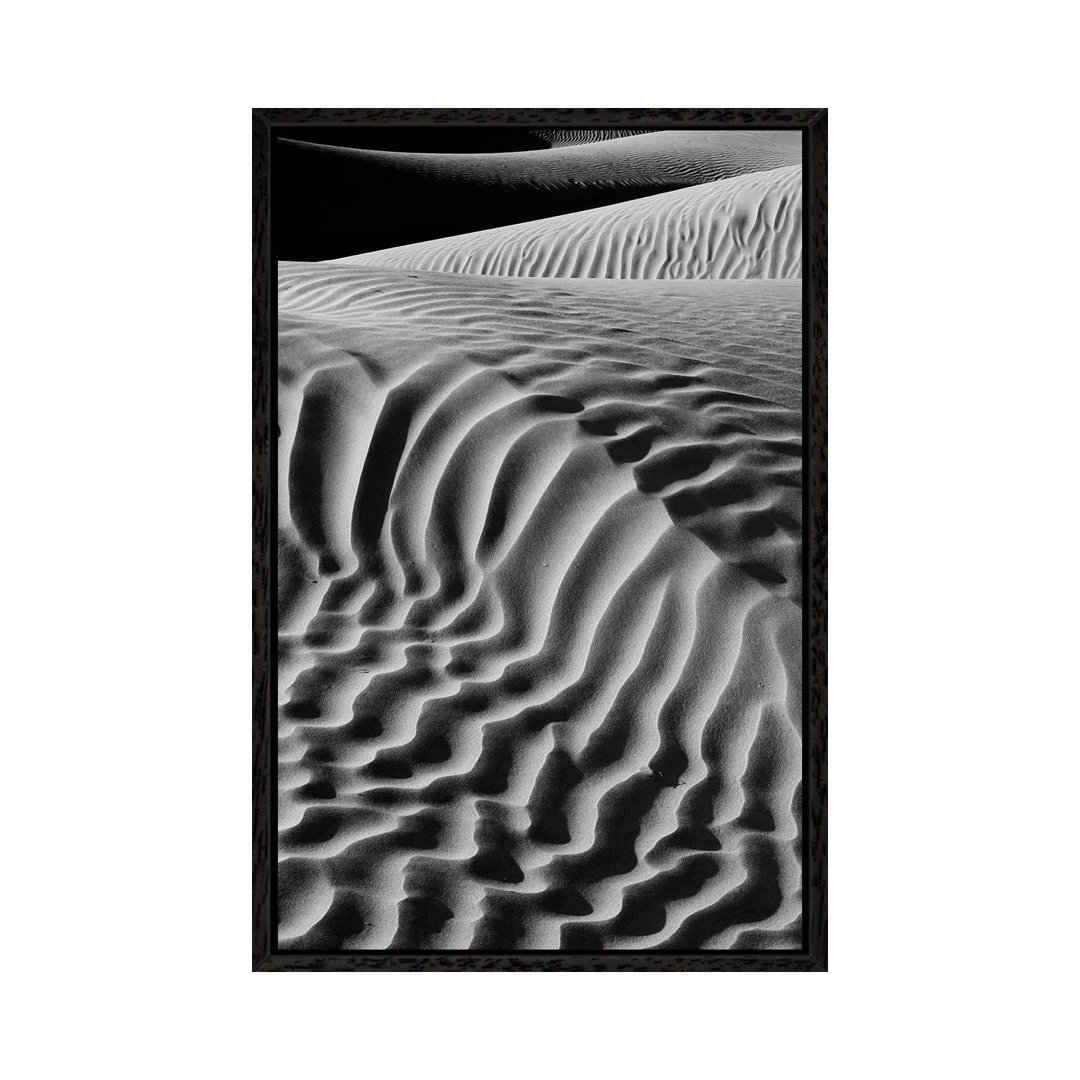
(746, 227)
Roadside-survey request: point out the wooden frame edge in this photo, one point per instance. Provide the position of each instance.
(261, 388)
(814, 122)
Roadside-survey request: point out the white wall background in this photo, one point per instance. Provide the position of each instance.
(953, 535)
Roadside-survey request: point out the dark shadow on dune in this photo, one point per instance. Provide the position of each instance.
(345, 920)
(756, 899)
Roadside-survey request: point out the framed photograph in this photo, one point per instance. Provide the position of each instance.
(539, 557)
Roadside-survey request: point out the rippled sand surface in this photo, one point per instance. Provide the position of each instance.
(539, 586)
(745, 227)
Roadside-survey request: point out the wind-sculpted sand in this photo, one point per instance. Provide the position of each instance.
(747, 227)
(576, 136)
(539, 586)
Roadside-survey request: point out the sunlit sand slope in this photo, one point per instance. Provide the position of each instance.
(539, 577)
(747, 227)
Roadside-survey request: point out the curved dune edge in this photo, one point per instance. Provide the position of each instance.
(579, 136)
(540, 633)
(334, 201)
(657, 159)
(746, 227)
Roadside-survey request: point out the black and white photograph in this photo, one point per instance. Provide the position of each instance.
(540, 586)
(549, 490)
(466, 516)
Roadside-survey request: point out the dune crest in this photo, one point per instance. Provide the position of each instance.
(653, 159)
(577, 136)
(747, 227)
(339, 201)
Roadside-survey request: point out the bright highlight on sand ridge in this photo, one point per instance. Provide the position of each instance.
(746, 227)
(540, 547)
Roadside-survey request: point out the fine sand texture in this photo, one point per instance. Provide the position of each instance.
(539, 582)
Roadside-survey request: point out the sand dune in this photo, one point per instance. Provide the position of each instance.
(327, 192)
(577, 136)
(655, 159)
(746, 227)
(539, 584)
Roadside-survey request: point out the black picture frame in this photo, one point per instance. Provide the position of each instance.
(269, 124)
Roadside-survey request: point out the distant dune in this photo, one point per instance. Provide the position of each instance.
(746, 227)
(327, 192)
(655, 159)
(575, 136)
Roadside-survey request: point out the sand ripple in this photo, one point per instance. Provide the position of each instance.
(746, 227)
(539, 587)
(577, 136)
